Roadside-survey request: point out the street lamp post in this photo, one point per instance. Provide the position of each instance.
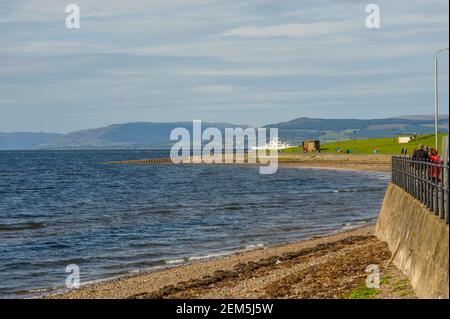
(436, 96)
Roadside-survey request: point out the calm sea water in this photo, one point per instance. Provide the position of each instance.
(66, 207)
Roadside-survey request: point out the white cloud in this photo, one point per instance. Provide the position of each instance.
(7, 101)
(215, 89)
(296, 30)
(54, 10)
(274, 70)
(52, 48)
(216, 55)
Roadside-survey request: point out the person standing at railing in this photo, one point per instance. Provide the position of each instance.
(420, 153)
(434, 169)
(419, 157)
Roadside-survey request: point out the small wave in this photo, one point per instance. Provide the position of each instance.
(208, 256)
(40, 290)
(147, 245)
(146, 270)
(175, 261)
(229, 207)
(356, 190)
(20, 226)
(254, 246)
(34, 292)
(356, 224)
(348, 226)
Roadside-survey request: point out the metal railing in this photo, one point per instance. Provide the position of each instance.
(424, 180)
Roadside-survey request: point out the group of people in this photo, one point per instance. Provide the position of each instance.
(424, 153)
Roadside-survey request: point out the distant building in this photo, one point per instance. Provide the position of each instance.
(406, 139)
(311, 145)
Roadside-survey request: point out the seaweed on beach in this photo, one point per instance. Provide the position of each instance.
(246, 270)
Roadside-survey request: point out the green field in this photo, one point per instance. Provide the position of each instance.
(383, 145)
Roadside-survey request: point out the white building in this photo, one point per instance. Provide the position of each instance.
(405, 139)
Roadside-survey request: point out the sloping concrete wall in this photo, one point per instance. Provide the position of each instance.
(418, 241)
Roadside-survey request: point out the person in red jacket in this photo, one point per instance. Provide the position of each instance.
(434, 170)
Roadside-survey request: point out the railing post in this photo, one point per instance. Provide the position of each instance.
(428, 185)
(440, 180)
(429, 181)
(425, 180)
(394, 179)
(445, 190)
(415, 184)
(408, 177)
(409, 170)
(416, 180)
(419, 181)
(436, 185)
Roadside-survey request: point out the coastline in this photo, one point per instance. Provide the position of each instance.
(353, 162)
(330, 266)
(358, 162)
(178, 280)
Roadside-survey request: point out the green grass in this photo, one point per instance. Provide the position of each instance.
(367, 146)
(399, 288)
(385, 281)
(401, 285)
(362, 293)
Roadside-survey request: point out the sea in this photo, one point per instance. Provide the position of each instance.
(62, 208)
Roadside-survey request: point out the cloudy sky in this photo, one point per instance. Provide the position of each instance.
(247, 62)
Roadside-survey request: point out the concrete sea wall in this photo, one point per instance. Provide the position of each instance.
(418, 240)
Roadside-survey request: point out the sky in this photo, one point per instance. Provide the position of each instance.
(246, 62)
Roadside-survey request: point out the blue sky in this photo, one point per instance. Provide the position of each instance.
(246, 62)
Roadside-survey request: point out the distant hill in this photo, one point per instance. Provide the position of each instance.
(124, 136)
(333, 129)
(140, 135)
(23, 140)
(421, 117)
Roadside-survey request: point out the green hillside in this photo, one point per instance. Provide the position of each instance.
(367, 146)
